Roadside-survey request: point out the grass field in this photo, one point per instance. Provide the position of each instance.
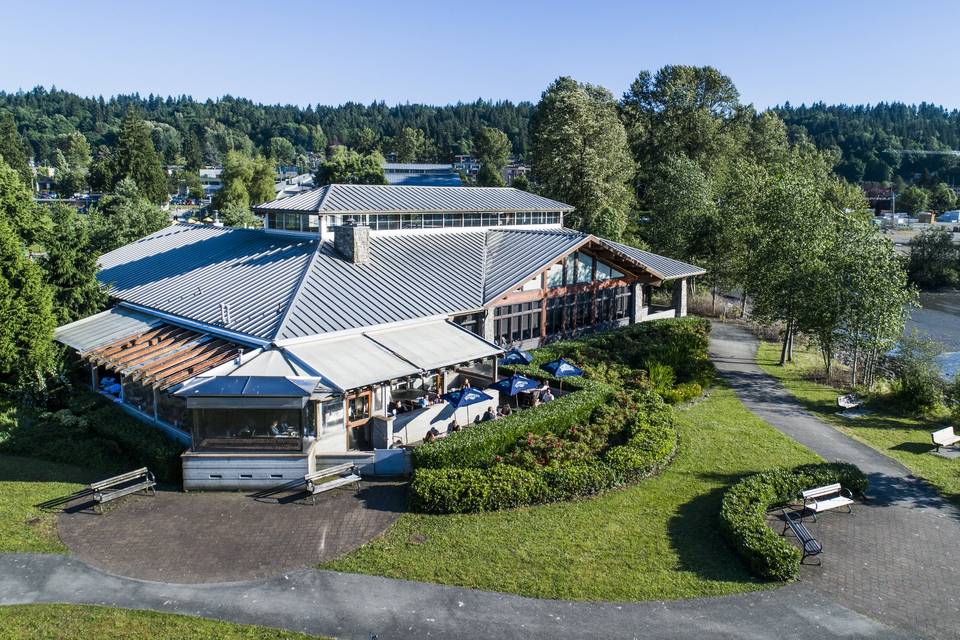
(76, 622)
(25, 482)
(901, 437)
(657, 539)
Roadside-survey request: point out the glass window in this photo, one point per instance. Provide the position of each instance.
(453, 220)
(272, 220)
(570, 269)
(490, 219)
(432, 221)
(247, 429)
(138, 395)
(472, 219)
(333, 415)
(358, 407)
(508, 218)
(603, 271)
(615, 274)
(584, 268)
(313, 223)
(555, 276)
(172, 410)
(291, 222)
(411, 221)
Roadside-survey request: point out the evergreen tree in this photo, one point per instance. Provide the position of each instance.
(18, 210)
(136, 158)
(13, 149)
(492, 148)
(27, 353)
(70, 267)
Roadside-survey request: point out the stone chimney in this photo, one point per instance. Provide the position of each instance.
(352, 241)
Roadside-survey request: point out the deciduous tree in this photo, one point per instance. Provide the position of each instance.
(345, 166)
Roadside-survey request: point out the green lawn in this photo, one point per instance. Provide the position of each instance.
(903, 438)
(657, 539)
(76, 622)
(25, 482)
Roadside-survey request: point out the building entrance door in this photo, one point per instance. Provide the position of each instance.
(359, 406)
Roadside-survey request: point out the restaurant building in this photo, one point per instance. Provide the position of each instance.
(270, 351)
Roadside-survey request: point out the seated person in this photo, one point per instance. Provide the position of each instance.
(489, 415)
(275, 428)
(466, 383)
(453, 426)
(422, 402)
(430, 437)
(547, 395)
(433, 432)
(507, 410)
(397, 443)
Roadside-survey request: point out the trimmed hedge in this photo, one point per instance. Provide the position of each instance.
(650, 442)
(745, 505)
(481, 443)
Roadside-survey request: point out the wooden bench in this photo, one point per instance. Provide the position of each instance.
(825, 498)
(331, 478)
(810, 545)
(122, 485)
(944, 438)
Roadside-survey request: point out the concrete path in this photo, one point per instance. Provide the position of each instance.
(896, 558)
(356, 606)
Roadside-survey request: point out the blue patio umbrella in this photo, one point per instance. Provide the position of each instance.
(562, 368)
(516, 356)
(465, 397)
(515, 384)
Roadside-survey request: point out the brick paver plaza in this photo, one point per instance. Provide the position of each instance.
(223, 537)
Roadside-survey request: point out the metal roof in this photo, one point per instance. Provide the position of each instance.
(425, 179)
(433, 345)
(190, 270)
(409, 276)
(283, 288)
(352, 361)
(264, 386)
(416, 166)
(103, 328)
(359, 198)
(267, 363)
(668, 268)
(514, 254)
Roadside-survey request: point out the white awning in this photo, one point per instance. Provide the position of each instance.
(373, 357)
(433, 345)
(351, 362)
(103, 328)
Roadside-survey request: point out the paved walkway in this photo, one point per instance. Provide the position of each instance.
(228, 536)
(357, 606)
(896, 558)
(888, 572)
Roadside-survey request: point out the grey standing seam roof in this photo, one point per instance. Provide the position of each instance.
(358, 198)
(104, 327)
(188, 270)
(283, 287)
(669, 268)
(514, 254)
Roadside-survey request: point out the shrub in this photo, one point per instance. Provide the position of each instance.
(450, 490)
(745, 504)
(917, 386)
(645, 426)
(480, 444)
(96, 435)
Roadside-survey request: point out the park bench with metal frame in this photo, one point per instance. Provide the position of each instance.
(811, 547)
(831, 496)
(944, 438)
(123, 485)
(330, 478)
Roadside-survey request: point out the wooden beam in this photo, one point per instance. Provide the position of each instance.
(173, 340)
(190, 358)
(205, 343)
(127, 341)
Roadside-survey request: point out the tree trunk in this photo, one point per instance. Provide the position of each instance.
(713, 310)
(786, 344)
(743, 303)
(790, 345)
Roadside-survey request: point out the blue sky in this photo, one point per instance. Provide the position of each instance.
(440, 52)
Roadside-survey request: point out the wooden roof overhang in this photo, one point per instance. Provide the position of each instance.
(164, 356)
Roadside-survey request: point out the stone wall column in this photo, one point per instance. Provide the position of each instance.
(638, 312)
(488, 325)
(680, 297)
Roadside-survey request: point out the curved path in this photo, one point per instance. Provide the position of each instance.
(896, 558)
(838, 601)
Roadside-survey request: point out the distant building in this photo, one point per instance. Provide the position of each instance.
(513, 170)
(210, 178)
(467, 164)
(294, 185)
(416, 174)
